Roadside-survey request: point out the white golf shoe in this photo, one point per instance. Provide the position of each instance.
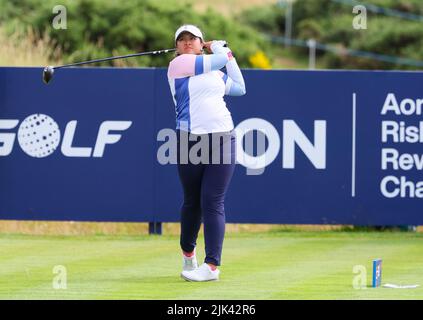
(189, 263)
(202, 273)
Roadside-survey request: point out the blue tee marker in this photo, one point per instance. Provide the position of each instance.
(377, 273)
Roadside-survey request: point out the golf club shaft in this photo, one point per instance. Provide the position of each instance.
(117, 57)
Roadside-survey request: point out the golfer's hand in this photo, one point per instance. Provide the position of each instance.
(206, 46)
(214, 46)
(221, 46)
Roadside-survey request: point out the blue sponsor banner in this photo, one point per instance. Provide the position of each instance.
(73, 183)
(341, 147)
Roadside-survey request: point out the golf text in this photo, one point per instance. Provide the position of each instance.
(401, 133)
(39, 136)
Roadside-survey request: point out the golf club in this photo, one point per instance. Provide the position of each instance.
(49, 70)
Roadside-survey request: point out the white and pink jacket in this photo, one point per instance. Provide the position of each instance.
(198, 87)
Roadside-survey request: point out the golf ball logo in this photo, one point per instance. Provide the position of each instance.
(38, 135)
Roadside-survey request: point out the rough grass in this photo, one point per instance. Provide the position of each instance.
(229, 7)
(112, 228)
(276, 265)
(27, 49)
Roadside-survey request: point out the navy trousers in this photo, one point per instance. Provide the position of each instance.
(205, 185)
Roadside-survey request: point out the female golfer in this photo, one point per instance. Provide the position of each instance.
(198, 86)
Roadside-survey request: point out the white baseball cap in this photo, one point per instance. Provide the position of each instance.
(191, 29)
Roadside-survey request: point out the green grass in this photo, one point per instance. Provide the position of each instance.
(272, 265)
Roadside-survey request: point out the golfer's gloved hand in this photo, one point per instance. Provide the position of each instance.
(217, 46)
